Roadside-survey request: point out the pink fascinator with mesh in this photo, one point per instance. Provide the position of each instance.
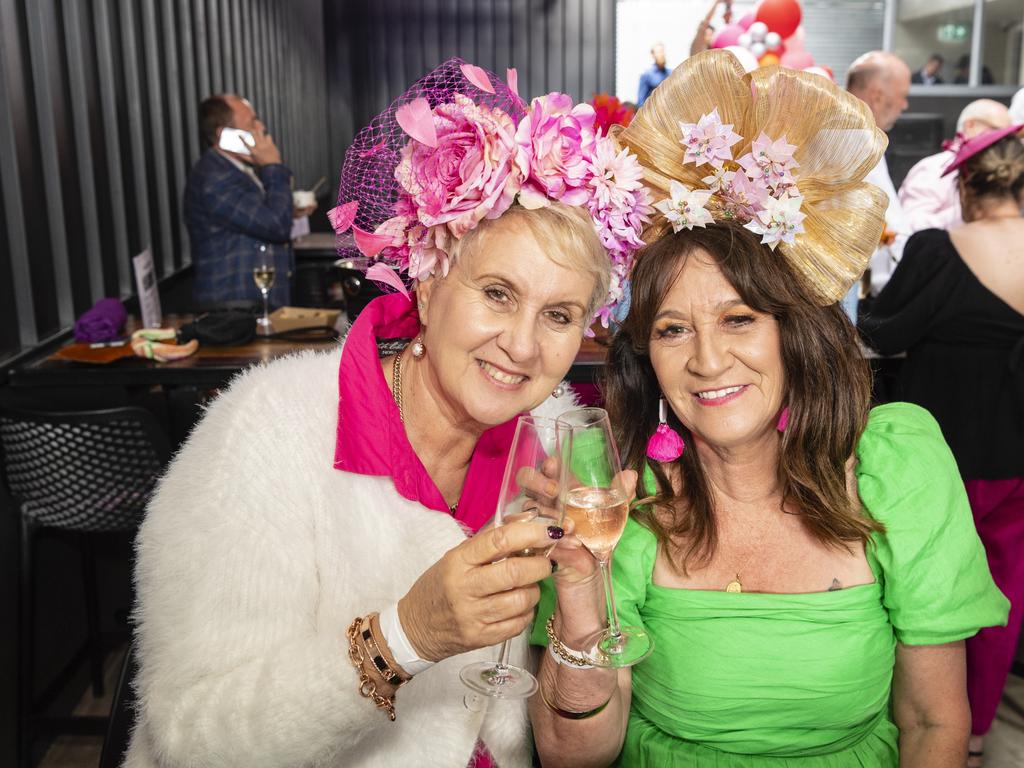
(461, 146)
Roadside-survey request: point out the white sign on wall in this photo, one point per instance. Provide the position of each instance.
(148, 290)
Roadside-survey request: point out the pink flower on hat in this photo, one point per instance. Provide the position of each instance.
(771, 161)
(555, 140)
(619, 202)
(471, 173)
(742, 198)
(779, 221)
(708, 140)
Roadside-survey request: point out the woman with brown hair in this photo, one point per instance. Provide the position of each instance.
(955, 305)
(807, 567)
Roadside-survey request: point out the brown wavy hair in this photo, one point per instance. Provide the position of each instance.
(828, 390)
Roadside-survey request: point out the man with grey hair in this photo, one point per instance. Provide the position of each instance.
(931, 200)
(882, 81)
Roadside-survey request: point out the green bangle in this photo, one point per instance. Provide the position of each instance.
(573, 715)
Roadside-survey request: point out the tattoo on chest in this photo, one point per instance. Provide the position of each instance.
(835, 585)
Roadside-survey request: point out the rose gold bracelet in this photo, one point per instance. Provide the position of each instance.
(367, 687)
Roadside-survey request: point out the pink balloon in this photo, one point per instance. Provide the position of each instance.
(729, 35)
(796, 59)
(747, 20)
(795, 42)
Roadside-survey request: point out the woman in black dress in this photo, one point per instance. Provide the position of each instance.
(955, 305)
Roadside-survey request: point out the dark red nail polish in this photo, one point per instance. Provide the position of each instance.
(555, 532)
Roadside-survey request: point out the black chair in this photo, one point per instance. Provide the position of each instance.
(74, 474)
(122, 714)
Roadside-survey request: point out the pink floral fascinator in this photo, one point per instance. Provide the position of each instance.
(461, 146)
(783, 152)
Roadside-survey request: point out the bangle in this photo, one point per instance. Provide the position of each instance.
(564, 655)
(367, 687)
(386, 669)
(569, 715)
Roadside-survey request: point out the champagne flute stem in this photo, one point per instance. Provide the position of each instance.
(503, 658)
(266, 303)
(609, 596)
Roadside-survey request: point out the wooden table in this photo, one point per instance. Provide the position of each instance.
(209, 368)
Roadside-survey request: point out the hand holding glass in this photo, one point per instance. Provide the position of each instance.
(529, 492)
(595, 499)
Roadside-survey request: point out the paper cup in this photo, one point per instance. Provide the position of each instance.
(303, 198)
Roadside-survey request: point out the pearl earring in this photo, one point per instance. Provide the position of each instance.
(418, 350)
(558, 391)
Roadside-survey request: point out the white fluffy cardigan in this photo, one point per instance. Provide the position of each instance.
(253, 559)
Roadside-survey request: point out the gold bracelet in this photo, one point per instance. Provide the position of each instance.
(384, 667)
(569, 656)
(568, 714)
(367, 687)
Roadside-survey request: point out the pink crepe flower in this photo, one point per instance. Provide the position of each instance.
(469, 175)
(771, 161)
(619, 202)
(742, 198)
(780, 220)
(555, 140)
(708, 140)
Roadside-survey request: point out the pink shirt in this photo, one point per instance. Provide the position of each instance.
(931, 200)
(371, 438)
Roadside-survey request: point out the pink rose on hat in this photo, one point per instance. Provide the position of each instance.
(471, 172)
(555, 143)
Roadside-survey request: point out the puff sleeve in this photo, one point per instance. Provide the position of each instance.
(935, 578)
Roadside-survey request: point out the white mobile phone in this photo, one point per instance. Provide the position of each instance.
(236, 140)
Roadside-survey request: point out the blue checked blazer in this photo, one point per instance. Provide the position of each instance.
(233, 225)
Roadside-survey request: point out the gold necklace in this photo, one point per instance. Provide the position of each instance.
(736, 585)
(396, 392)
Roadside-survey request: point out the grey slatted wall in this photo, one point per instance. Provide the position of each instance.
(98, 111)
(377, 48)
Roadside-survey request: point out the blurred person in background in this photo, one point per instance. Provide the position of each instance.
(929, 74)
(931, 199)
(653, 76)
(882, 81)
(705, 34)
(238, 208)
(955, 305)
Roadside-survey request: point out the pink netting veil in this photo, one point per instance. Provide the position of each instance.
(368, 174)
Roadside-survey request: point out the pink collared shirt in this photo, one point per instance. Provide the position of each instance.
(929, 199)
(371, 438)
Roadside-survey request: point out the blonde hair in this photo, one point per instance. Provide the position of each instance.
(567, 234)
(997, 171)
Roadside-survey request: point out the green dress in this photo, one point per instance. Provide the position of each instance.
(756, 680)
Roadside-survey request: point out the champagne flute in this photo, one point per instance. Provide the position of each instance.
(595, 499)
(263, 276)
(529, 491)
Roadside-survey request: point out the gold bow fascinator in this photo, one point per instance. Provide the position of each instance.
(783, 152)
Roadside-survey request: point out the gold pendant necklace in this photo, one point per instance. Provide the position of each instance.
(735, 586)
(396, 392)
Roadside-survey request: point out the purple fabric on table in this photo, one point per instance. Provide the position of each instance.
(103, 322)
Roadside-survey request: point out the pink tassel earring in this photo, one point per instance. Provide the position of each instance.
(665, 444)
(783, 420)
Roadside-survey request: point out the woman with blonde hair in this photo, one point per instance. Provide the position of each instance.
(309, 584)
(955, 305)
(806, 566)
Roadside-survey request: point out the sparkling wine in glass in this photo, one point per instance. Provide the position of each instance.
(529, 491)
(263, 276)
(595, 499)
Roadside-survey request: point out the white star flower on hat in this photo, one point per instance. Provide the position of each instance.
(779, 221)
(685, 208)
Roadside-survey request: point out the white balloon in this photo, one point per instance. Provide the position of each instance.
(758, 30)
(772, 41)
(747, 59)
(758, 50)
(744, 40)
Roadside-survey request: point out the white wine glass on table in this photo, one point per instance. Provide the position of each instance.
(529, 492)
(595, 499)
(263, 276)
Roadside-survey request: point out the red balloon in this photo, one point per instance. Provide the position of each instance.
(782, 16)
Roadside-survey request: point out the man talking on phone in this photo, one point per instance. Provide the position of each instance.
(238, 207)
